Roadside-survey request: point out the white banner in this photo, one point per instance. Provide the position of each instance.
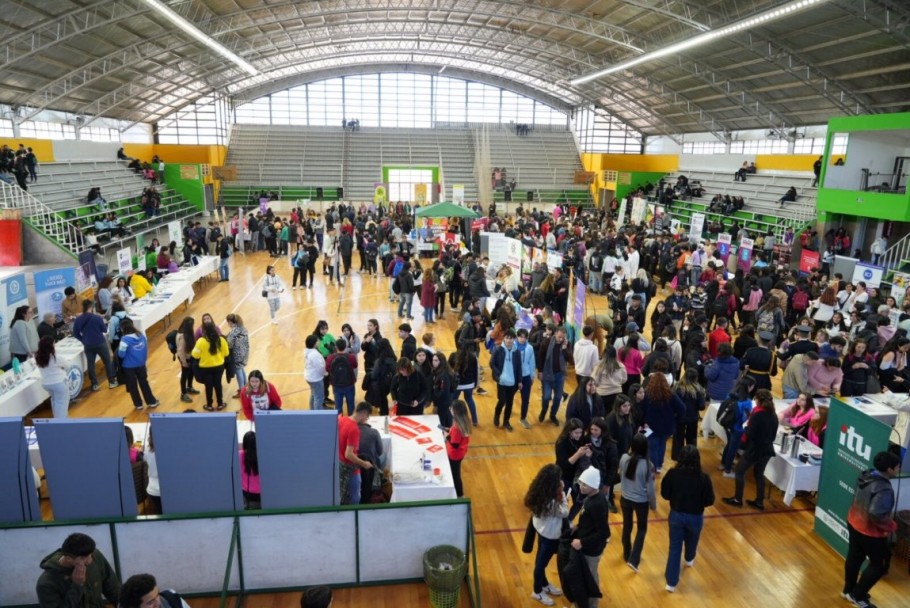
(869, 274)
(124, 261)
(622, 213)
(698, 226)
(498, 251)
(458, 193)
(513, 255)
(639, 209)
(174, 232)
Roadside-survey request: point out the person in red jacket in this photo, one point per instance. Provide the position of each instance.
(870, 524)
(258, 395)
(718, 337)
(457, 440)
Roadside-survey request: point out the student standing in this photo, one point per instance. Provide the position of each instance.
(689, 491)
(528, 367)
(211, 349)
(350, 464)
(443, 388)
(89, 329)
(314, 372)
(185, 341)
(870, 523)
(546, 499)
(238, 340)
(249, 472)
(759, 438)
(638, 495)
(272, 288)
(133, 353)
(590, 537)
(457, 440)
(53, 377)
(342, 373)
(506, 366)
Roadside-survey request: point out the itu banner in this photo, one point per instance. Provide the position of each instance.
(851, 442)
(49, 286)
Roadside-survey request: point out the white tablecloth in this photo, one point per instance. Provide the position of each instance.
(190, 274)
(153, 308)
(791, 475)
(404, 455)
(28, 394)
(709, 419)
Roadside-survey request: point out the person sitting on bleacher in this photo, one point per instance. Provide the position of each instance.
(114, 225)
(94, 198)
(728, 205)
(102, 227)
(717, 204)
(121, 155)
(789, 197)
(752, 169)
(740, 175)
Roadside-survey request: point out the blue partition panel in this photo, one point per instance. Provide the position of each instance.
(87, 466)
(298, 458)
(198, 463)
(19, 497)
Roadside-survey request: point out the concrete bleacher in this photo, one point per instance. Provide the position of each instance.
(64, 185)
(761, 191)
(287, 155)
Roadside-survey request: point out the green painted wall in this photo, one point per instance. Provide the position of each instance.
(190, 189)
(857, 202)
(638, 179)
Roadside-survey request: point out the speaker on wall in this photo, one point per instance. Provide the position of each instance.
(340, 193)
(318, 194)
(508, 195)
(530, 196)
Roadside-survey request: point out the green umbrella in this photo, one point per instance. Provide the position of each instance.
(446, 210)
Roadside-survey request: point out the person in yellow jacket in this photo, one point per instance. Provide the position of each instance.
(140, 285)
(211, 350)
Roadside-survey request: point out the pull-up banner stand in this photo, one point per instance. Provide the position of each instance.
(19, 498)
(198, 462)
(87, 466)
(298, 458)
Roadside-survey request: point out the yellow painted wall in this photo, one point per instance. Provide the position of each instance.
(647, 163)
(43, 148)
(144, 152)
(788, 162)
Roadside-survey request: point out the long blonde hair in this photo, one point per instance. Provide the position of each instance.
(461, 418)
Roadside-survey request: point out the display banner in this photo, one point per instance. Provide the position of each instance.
(579, 309)
(554, 259)
(745, 254)
(497, 248)
(808, 261)
(900, 281)
(49, 286)
(175, 232)
(871, 275)
(458, 193)
(513, 254)
(851, 442)
(697, 227)
(621, 220)
(124, 261)
(531, 256)
(639, 210)
(12, 296)
(724, 241)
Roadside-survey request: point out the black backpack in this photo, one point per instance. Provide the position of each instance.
(727, 413)
(396, 286)
(719, 305)
(341, 371)
(171, 339)
(597, 263)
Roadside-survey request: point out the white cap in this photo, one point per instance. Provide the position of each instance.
(590, 477)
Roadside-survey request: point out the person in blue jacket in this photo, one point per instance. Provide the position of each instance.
(133, 352)
(528, 371)
(722, 373)
(507, 369)
(740, 392)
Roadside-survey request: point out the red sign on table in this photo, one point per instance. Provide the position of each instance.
(808, 261)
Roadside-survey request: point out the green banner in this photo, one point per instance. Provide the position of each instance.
(851, 442)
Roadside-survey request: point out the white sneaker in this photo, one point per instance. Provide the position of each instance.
(274, 321)
(552, 590)
(690, 563)
(543, 598)
(633, 566)
(671, 588)
(729, 474)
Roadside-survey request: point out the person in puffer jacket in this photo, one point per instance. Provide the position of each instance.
(870, 524)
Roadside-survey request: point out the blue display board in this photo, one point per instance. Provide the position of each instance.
(19, 498)
(87, 466)
(198, 462)
(298, 458)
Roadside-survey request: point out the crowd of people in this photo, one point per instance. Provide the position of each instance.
(22, 163)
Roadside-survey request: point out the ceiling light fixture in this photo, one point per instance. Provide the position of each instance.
(200, 36)
(739, 26)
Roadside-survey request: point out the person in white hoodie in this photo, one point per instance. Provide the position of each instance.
(314, 373)
(586, 355)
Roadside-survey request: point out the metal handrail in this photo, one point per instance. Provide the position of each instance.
(896, 253)
(42, 217)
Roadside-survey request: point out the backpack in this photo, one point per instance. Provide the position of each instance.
(341, 371)
(766, 322)
(396, 286)
(171, 339)
(597, 263)
(119, 333)
(213, 235)
(719, 305)
(303, 258)
(800, 300)
(449, 274)
(396, 269)
(727, 413)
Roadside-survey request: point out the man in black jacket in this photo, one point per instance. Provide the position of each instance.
(406, 291)
(587, 543)
(410, 389)
(759, 444)
(408, 342)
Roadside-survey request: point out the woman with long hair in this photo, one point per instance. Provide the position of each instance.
(817, 427)
(858, 367)
(380, 382)
(825, 306)
(797, 416)
(638, 495)
(185, 342)
(53, 377)
(570, 450)
(660, 318)
(428, 296)
(104, 298)
(693, 396)
(122, 290)
(689, 491)
(443, 384)
(770, 318)
(609, 377)
(457, 439)
(206, 318)
(837, 326)
(325, 344)
(631, 358)
(272, 288)
(351, 339)
(892, 365)
(636, 395)
(604, 457)
(619, 421)
(133, 353)
(663, 410)
(23, 334)
(759, 449)
(238, 340)
(258, 395)
(464, 364)
(249, 472)
(211, 350)
(546, 500)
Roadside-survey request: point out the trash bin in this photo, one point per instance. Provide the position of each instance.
(444, 569)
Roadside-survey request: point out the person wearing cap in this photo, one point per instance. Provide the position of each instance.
(796, 376)
(632, 327)
(585, 355)
(589, 539)
(826, 377)
(802, 345)
(77, 575)
(760, 361)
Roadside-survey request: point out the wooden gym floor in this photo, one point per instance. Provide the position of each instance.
(746, 558)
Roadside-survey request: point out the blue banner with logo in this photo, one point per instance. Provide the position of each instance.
(49, 286)
(12, 295)
(852, 440)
